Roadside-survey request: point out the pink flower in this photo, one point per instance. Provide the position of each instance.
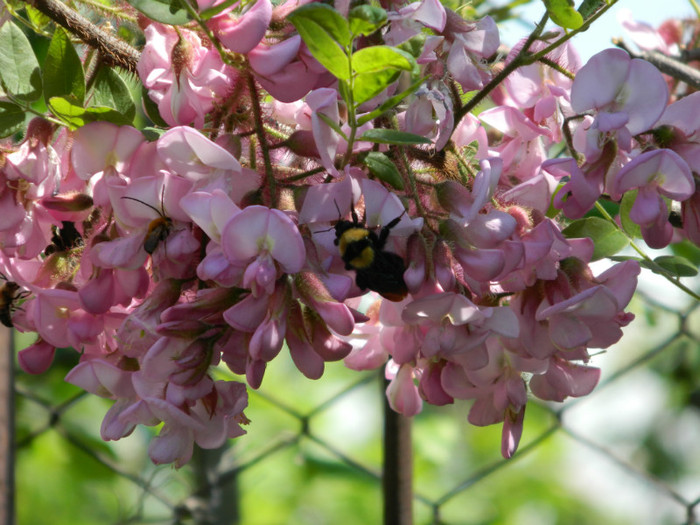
(627, 96)
(470, 42)
(263, 238)
(286, 70)
(242, 33)
(402, 393)
(183, 77)
(655, 174)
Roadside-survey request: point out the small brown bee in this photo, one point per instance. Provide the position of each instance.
(158, 229)
(8, 295)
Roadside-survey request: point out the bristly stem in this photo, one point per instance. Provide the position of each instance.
(262, 138)
(114, 52)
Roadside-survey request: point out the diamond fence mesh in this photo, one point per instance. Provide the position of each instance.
(627, 453)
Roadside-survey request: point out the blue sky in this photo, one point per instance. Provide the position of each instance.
(598, 37)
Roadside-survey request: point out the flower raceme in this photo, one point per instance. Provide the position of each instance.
(163, 261)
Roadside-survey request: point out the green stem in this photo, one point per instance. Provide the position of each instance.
(584, 27)
(658, 269)
(500, 77)
(28, 109)
(525, 59)
(696, 7)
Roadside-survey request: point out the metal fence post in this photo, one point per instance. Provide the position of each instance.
(217, 501)
(7, 427)
(397, 478)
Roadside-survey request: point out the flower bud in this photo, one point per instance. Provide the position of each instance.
(68, 202)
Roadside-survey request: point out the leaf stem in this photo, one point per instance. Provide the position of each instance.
(648, 260)
(696, 7)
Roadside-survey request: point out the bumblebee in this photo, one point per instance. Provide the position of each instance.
(8, 295)
(158, 229)
(362, 250)
(64, 238)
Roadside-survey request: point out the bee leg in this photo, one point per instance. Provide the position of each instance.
(386, 230)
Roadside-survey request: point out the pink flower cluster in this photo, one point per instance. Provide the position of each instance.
(159, 261)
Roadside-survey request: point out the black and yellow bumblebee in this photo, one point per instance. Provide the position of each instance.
(362, 250)
(9, 293)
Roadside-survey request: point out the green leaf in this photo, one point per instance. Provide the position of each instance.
(330, 20)
(563, 14)
(688, 250)
(77, 116)
(630, 227)
(414, 45)
(151, 109)
(589, 7)
(326, 34)
(377, 58)
(166, 11)
(38, 20)
(63, 71)
(152, 134)
(391, 136)
(11, 119)
(676, 265)
(366, 19)
(384, 169)
(111, 91)
(19, 68)
(376, 67)
(607, 238)
(215, 10)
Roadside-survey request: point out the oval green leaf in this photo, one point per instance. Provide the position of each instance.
(677, 266)
(384, 169)
(77, 116)
(563, 14)
(63, 70)
(111, 91)
(323, 45)
(19, 68)
(11, 119)
(327, 18)
(327, 35)
(606, 237)
(366, 19)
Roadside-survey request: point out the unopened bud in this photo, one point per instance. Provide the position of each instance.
(302, 143)
(181, 55)
(68, 202)
(39, 131)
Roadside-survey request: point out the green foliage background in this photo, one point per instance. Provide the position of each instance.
(313, 449)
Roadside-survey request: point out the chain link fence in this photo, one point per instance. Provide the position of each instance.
(627, 453)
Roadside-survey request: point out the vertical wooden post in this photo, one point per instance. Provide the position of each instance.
(7, 428)
(397, 478)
